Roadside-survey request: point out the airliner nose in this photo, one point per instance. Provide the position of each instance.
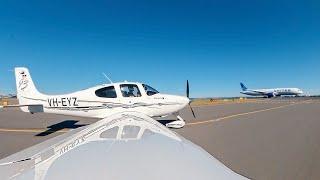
(300, 91)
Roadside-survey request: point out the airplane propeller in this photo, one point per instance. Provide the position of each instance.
(188, 96)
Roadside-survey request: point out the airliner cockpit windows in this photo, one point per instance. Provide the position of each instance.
(130, 90)
(149, 90)
(106, 92)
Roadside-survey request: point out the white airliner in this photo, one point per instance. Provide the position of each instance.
(126, 144)
(271, 92)
(100, 101)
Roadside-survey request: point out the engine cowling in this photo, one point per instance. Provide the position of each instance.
(272, 94)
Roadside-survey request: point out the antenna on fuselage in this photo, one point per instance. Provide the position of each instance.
(107, 77)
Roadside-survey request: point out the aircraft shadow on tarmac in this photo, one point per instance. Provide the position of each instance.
(72, 124)
(67, 124)
(165, 121)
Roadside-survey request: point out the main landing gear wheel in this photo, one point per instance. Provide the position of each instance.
(177, 124)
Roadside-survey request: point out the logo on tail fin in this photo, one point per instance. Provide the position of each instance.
(23, 83)
(243, 87)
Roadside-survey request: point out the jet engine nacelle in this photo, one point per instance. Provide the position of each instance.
(272, 94)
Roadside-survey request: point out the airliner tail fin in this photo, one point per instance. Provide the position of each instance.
(243, 87)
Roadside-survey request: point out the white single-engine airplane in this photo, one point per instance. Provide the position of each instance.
(100, 101)
(269, 93)
(126, 144)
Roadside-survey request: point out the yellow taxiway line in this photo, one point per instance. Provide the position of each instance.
(40, 130)
(243, 114)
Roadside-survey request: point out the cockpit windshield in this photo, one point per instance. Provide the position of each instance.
(149, 90)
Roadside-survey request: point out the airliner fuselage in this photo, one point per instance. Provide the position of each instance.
(271, 92)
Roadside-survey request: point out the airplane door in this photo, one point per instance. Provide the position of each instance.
(131, 95)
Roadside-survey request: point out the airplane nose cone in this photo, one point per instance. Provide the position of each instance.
(185, 100)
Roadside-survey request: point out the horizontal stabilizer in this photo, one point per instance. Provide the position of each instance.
(33, 108)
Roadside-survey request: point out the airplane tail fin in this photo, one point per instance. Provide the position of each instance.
(243, 87)
(27, 93)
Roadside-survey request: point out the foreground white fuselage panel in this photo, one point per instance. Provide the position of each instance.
(125, 146)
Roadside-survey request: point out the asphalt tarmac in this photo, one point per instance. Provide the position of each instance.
(267, 139)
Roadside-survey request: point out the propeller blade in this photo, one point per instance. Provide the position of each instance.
(192, 111)
(187, 91)
(188, 96)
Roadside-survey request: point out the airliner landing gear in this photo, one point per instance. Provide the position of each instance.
(179, 123)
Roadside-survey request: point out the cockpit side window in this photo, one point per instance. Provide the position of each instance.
(106, 92)
(130, 90)
(149, 90)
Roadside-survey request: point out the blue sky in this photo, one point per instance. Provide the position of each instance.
(214, 44)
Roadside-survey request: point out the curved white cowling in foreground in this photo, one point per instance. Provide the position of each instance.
(123, 146)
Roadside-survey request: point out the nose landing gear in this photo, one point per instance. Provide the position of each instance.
(177, 124)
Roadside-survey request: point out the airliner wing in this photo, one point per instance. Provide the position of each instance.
(123, 146)
(261, 92)
(266, 93)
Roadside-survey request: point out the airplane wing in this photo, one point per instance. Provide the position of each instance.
(123, 146)
(266, 93)
(20, 105)
(32, 108)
